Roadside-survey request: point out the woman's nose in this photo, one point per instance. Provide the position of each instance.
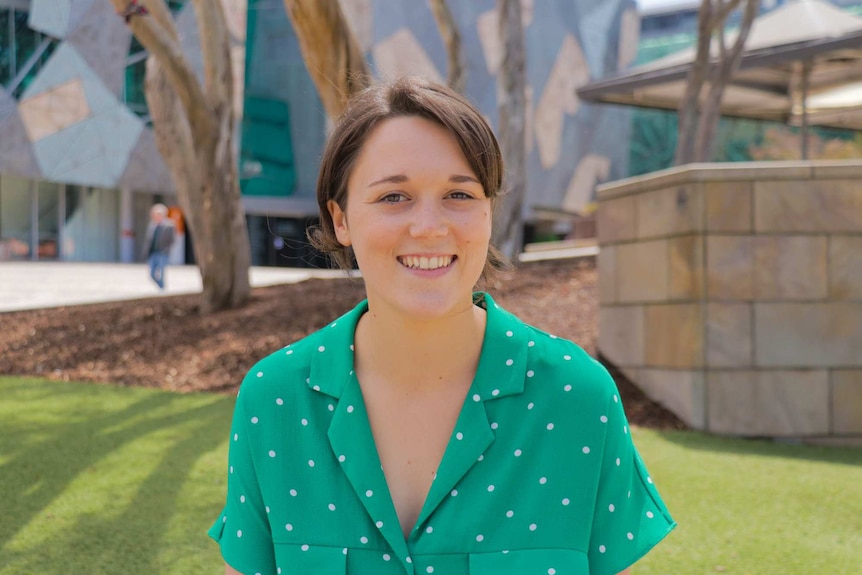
(428, 220)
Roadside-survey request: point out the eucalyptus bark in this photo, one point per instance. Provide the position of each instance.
(511, 105)
(194, 131)
(699, 112)
(330, 50)
(456, 75)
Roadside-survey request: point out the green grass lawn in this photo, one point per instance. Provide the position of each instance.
(106, 480)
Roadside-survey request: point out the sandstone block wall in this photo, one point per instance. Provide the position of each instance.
(732, 294)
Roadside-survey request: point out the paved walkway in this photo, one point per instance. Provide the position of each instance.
(33, 285)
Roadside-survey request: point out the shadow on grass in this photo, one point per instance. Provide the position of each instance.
(129, 536)
(694, 440)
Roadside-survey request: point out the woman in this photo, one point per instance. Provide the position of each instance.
(428, 430)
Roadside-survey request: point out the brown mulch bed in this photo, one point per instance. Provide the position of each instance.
(164, 343)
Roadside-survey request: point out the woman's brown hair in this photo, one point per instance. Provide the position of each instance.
(406, 96)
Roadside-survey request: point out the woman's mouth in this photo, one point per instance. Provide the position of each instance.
(426, 262)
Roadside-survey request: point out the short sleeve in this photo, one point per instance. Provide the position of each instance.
(629, 517)
(242, 530)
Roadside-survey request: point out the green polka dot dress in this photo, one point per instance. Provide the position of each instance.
(540, 476)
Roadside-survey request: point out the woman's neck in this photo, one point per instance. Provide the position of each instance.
(419, 353)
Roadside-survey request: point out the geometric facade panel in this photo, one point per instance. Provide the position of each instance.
(592, 169)
(16, 152)
(401, 54)
(54, 109)
(595, 27)
(102, 39)
(146, 170)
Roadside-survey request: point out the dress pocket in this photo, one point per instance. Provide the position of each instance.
(530, 562)
(294, 559)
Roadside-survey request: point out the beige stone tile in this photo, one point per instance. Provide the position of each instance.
(616, 220)
(775, 403)
(56, 109)
(827, 334)
(845, 267)
(730, 267)
(728, 206)
(728, 335)
(808, 206)
(681, 391)
(669, 211)
(642, 271)
(674, 336)
(607, 269)
(847, 401)
(687, 272)
(621, 334)
(790, 267)
(401, 53)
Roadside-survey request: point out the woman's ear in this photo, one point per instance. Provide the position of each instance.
(339, 222)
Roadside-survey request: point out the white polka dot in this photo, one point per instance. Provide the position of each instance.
(293, 492)
(553, 337)
(271, 453)
(386, 557)
(331, 506)
(267, 509)
(254, 420)
(311, 463)
(649, 480)
(630, 535)
(616, 399)
(242, 498)
(239, 533)
(477, 397)
(602, 549)
(409, 559)
(260, 374)
(567, 357)
(289, 352)
(518, 453)
(550, 426)
(566, 501)
(650, 514)
(231, 468)
(321, 348)
(351, 347)
(495, 393)
(586, 449)
(510, 513)
(279, 401)
(543, 480)
(235, 436)
(369, 493)
(333, 324)
(344, 551)
(611, 507)
(567, 387)
(379, 524)
(429, 529)
(495, 425)
(509, 333)
(331, 407)
(454, 493)
(531, 343)
(342, 458)
(625, 430)
(349, 409)
(303, 421)
(530, 373)
(533, 526)
(618, 461)
(510, 361)
(530, 405)
(480, 538)
(603, 419)
(552, 571)
(304, 547)
(490, 488)
(363, 540)
(429, 569)
(459, 436)
(289, 527)
(481, 457)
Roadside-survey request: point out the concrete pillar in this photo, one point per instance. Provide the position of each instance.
(127, 227)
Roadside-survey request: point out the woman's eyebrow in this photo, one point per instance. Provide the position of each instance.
(401, 178)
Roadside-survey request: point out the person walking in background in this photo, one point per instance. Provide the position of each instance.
(158, 242)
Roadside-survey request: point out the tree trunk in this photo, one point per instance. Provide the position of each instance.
(690, 103)
(511, 104)
(330, 51)
(456, 75)
(194, 127)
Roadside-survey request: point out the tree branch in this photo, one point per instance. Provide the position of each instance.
(456, 74)
(215, 48)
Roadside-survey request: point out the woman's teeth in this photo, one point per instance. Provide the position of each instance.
(426, 263)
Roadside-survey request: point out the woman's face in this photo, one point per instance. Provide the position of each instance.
(417, 218)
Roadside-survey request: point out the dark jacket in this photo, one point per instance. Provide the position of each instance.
(161, 241)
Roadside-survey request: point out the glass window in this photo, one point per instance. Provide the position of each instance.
(23, 51)
(6, 43)
(15, 218)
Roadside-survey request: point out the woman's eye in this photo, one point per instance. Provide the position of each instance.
(393, 198)
(459, 195)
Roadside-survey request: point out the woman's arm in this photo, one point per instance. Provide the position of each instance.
(228, 570)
